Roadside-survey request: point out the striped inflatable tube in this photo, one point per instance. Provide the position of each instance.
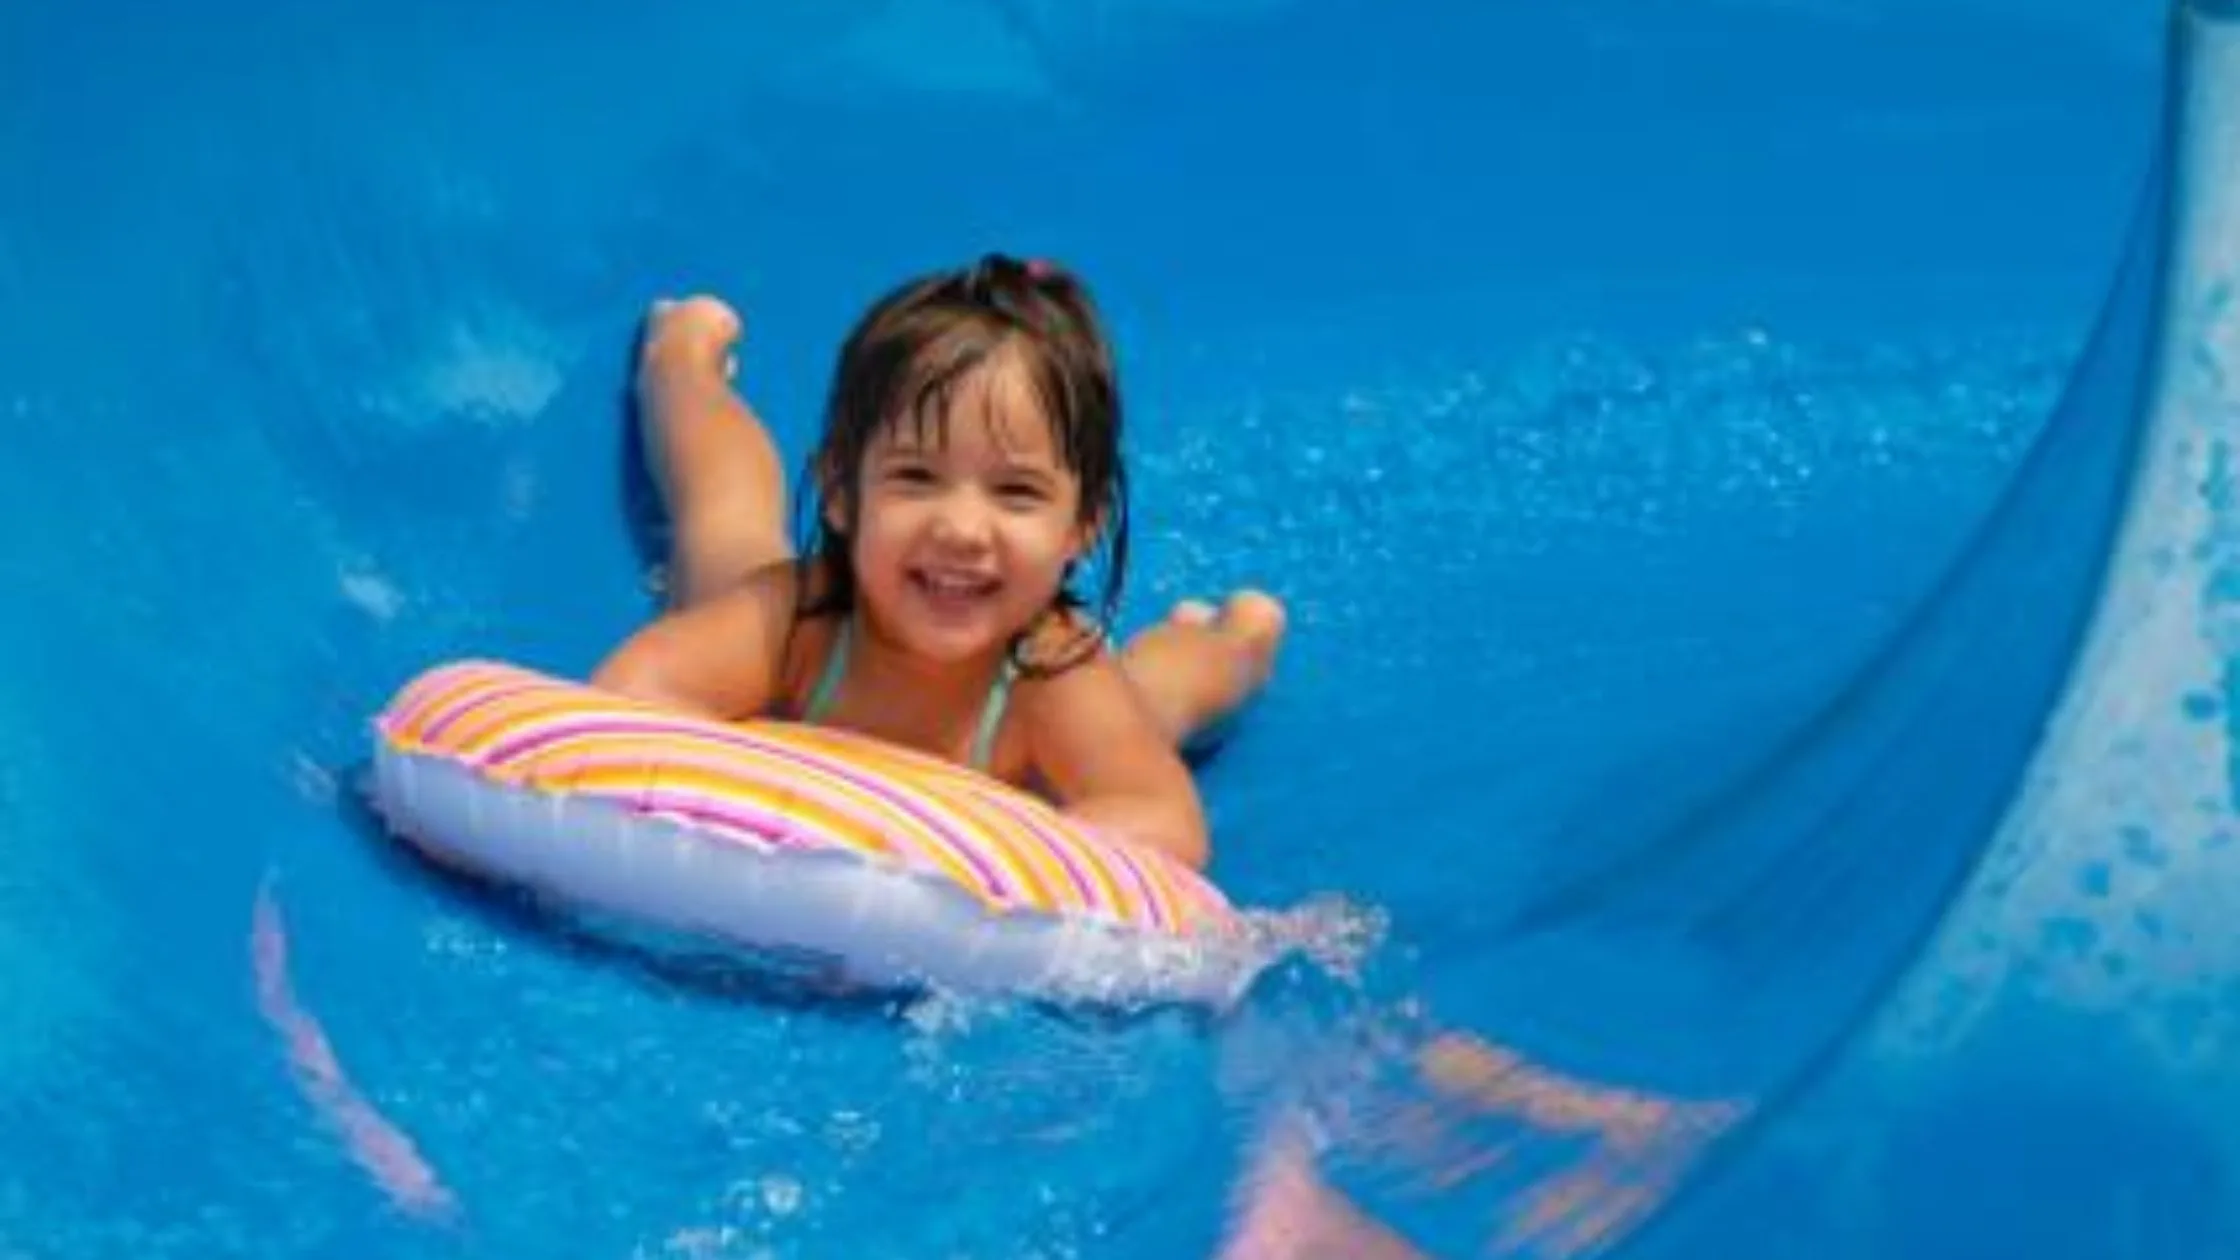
(809, 846)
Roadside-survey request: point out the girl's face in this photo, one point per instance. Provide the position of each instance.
(963, 536)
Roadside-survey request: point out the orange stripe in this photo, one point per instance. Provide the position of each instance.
(993, 807)
(1005, 813)
(438, 693)
(1173, 906)
(837, 830)
(499, 717)
(1111, 891)
(1018, 835)
(1121, 892)
(459, 705)
(929, 781)
(623, 763)
(1043, 882)
(409, 706)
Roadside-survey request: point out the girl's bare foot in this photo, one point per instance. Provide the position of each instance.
(1197, 667)
(714, 463)
(1251, 622)
(689, 336)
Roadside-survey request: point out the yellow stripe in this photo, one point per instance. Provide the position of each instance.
(1120, 891)
(1042, 880)
(1173, 906)
(988, 806)
(816, 820)
(1112, 890)
(500, 718)
(622, 764)
(922, 778)
(433, 695)
(974, 816)
(765, 780)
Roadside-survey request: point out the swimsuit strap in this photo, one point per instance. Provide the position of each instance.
(828, 682)
(836, 667)
(991, 715)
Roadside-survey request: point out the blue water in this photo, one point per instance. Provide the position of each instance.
(1752, 481)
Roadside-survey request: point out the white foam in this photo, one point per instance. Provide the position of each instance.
(501, 373)
(372, 593)
(493, 366)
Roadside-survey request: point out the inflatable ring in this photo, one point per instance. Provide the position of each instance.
(866, 863)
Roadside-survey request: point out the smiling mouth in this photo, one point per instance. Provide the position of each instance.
(953, 588)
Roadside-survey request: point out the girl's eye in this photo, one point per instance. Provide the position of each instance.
(910, 474)
(1020, 492)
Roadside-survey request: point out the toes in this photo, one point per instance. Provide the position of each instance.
(1193, 612)
(1256, 615)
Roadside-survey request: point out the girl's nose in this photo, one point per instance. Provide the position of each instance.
(964, 520)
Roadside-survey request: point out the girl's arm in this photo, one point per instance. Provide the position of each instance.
(1109, 764)
(722, 657)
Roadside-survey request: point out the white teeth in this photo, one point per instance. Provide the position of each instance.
(956, 584)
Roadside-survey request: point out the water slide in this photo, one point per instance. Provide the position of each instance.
(1754, 487)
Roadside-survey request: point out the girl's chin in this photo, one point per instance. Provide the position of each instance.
(948, 642)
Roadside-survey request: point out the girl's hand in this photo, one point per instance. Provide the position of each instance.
(694, 334)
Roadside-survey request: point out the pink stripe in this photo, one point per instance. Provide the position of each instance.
(421, 692)
(1066, 844)
(755, 824)
(1151, 899)
(1052, 841)
(470, 703)
(546, 751)
(872, 785)
(1074, 870)
(561, 766)
(539, 734)
(546, 731)
(405, 703)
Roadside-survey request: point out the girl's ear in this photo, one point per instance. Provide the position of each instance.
(832, 491)
(1085, 536)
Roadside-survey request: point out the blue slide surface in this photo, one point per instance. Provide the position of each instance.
(1755, 487)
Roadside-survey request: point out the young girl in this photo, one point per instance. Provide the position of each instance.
(970, 462)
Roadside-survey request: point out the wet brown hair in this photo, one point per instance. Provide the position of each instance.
(903, 363)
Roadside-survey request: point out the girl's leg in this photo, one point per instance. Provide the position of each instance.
(1198, 666)
(716, 466)
(1287, 1213)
